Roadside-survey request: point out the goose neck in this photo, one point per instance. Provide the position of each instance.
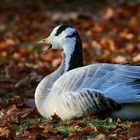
(73, 58)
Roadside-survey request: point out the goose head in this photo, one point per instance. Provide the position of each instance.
(65, 37)
(62, 37)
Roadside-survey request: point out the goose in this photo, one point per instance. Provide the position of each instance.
(77, 90)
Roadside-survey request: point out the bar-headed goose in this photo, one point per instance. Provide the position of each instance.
(76, 90)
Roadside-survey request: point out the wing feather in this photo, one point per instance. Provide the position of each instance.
(89, 101)
(117, 81)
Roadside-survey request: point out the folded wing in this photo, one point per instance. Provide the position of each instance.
(119, 82)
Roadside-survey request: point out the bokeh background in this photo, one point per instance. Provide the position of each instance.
(109, 29)
(110, 33)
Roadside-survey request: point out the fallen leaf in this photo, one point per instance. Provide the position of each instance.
(55, 118)
(134, 132)
(7, 133)
(109, 13)
(136, 58)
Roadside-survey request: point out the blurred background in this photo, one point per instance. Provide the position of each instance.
(109, 29)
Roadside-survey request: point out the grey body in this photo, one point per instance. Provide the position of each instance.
(92, 89)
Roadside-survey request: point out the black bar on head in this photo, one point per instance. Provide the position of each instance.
(61, 29)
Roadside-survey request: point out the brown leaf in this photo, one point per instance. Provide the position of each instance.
(12, 115)
(25, 112)
(74, 136)
(87, 130)
(56, 118)
(35, 129)
(98, 137)
(74, 123)
(133, 23)
(134, 131)
(119, 59)
(7, 132)
(136, 58)
(49, 133)
(109, 13)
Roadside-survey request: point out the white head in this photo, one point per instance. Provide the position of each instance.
(62, 37)
(66, 37)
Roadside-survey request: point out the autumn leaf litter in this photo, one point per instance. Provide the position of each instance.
(108, 34)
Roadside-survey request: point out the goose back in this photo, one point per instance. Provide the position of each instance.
(119, 82)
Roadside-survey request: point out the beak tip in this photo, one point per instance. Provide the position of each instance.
(44, 41)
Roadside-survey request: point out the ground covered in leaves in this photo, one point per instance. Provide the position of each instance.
(110, 33)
